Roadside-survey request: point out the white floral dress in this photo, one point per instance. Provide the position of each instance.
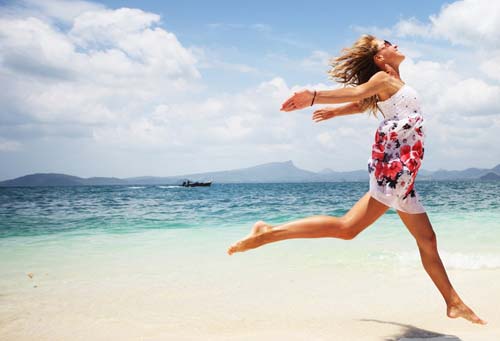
(398, 151)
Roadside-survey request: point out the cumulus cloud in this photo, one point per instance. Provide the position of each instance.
(464, 22)
(249, 117)
(117, 78)
(317, 59)
(468, 22)
(107, 65)
(60, 11)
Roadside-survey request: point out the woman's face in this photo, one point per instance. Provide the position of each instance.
(389, 52)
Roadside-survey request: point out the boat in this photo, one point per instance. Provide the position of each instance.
(196, 184)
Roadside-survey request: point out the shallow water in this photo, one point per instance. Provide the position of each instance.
(39, 222)
(150, 262)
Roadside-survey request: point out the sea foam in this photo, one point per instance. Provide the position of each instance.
(456, 260)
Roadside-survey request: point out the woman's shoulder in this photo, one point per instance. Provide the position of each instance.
(391, 86)
(380, 76)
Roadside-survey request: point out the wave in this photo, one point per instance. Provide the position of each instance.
(171, 186)
(135, 187)
(457, 260)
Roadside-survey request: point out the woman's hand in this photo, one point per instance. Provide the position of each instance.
(324, 114)
(299, 100)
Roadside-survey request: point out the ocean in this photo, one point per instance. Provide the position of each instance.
(133, 261)
(464, 214)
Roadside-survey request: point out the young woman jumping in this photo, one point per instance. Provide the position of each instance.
(370, 69)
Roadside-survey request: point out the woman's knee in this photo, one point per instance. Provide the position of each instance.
(346, 230)
(428, 242)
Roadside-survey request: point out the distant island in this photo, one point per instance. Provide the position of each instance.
(276, 172)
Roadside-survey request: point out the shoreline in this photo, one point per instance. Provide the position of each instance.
(150, 293)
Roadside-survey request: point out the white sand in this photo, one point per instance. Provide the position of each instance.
(264, 294)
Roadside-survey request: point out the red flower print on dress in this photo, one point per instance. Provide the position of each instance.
(380, 137)
(379, 170)
(411, 156)
(378, 150)
(398, 148)
(392, 169)
(413, 164)
(417, 147)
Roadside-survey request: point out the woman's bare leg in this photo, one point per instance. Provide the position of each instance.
(420, 227)
(359, 217)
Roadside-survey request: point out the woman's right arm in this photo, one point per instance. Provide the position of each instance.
(376, 84)
(300, 100)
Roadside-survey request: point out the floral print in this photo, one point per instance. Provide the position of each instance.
(398, 149)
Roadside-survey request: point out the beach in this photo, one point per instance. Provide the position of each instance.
(296, 290)
(180, 284)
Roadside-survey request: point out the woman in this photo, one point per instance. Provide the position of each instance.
(371, 69)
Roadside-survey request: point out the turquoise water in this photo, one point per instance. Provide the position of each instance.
(32, 211)
(94, 263)
(48, 220)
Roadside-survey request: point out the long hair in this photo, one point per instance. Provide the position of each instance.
(355, 66)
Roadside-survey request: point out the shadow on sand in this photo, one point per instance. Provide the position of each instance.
(412, 333)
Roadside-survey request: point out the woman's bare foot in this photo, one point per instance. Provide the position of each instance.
(461, 310)
(251, 241)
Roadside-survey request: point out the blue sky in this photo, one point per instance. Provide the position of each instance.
(129, 88)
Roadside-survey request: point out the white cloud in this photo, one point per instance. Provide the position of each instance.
(209, 58)
(249, 117)
(470, 97)
(468, 22)
(473, 23)
(101, 28)
(107, 66)
(127, 85)
(9, 145)
(61, 11)
(490, 64)
(412, 27)
(317, 60)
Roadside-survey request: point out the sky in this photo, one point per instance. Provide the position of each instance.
(133, 88)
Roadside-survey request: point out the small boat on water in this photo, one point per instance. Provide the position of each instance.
(196, 184)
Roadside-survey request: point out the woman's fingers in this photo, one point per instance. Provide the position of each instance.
(321, 115)
(299, 100)
(288, 104)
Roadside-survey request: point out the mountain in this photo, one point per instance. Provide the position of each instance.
(469, 173)
(326, 171)
(490, 176)
(269, 172)
(44, 179)
(54, 179)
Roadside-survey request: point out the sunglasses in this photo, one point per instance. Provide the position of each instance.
(386, 44)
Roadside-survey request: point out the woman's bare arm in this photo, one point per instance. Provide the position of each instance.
(377, 83)
(331, 112)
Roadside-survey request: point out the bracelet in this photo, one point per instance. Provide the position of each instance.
(312, 102)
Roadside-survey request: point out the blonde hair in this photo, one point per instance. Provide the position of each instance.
(356, 66)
